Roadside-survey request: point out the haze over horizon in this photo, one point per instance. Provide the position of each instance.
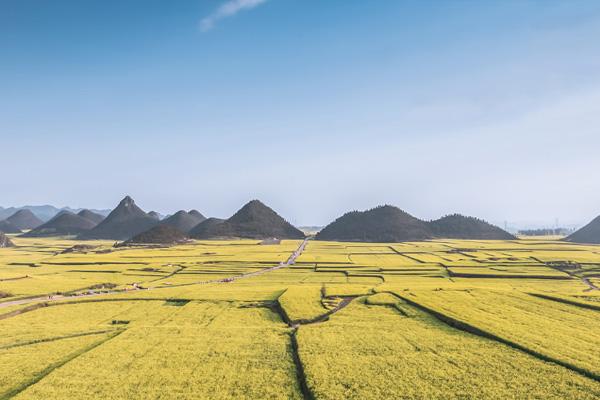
(483, 108)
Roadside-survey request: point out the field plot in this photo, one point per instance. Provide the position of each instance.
(209, 350)
(41, 266)
(536, 272)
(75, 318)
(225, 320)
(302, 302)
(561, 332)
(21, 365)
(375, 352)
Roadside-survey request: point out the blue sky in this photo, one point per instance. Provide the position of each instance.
(316, 107)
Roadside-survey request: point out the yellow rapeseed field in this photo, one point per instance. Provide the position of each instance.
(442, 319)
(377, 352)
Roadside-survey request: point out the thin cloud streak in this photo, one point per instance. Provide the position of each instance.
(227, 9)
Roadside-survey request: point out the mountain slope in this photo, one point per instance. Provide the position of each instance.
(154, 215)
(458, 226)
(183, 221)
(588, 234)
(24, 219)
(160, 234)
(197, 214)
(253, 221)
(124, 222)
(203, 228)
(92, 216)
(380, 224)
(7, 227)
(65, 223)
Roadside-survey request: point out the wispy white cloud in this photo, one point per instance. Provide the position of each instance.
(227, 9)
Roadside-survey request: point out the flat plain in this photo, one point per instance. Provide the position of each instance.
(443, 319)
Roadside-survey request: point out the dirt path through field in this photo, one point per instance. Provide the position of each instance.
(307, 392)
(290, 261)
(346, 300)
(591, 286)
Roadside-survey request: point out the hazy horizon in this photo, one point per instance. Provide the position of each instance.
(486, 109)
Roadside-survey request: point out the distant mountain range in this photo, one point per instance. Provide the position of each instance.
(45, 212)
(254, 220)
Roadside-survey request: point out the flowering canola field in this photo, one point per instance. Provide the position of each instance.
(443, 319)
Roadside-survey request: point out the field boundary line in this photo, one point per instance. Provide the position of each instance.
(504, 276)
(566, 301)
(404, 254)
(346, 300)
(16, 300)
(67, 302)
(591, 285)
(14, 279)
(55, 338)
(23, 310)
(307, 393)
(472, 329)
(583, 279)
(295, 323)
(70, 300)
(48, 370)
(290, 261)
(275, 307)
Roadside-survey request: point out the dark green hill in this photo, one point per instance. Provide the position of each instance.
(380, 224)
(124, 222)
(184, 221)
(92, 216)
(458, 226)
(253, 221)
(390, 224)
(588, 234)
(7, 227)
(65, 223)
(197, 214)
(201, 230)
(24, 219)
(160, 234)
